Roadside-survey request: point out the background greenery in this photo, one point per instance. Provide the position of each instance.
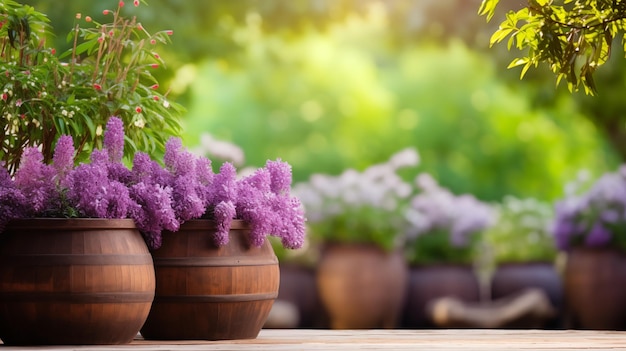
(332, 84)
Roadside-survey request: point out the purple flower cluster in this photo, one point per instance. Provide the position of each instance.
(594, 218)
(436, 209)
(156, 197)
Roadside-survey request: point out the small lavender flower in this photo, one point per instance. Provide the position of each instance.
(34, 179)
(224, 184)
(114, 139)
(592, 218)
(63, 158)
(443, 225)
(153, 211)
(280, 175)
(223, 213)
(205, 175)
(13, 204)
(188, 197)
(95, 194)
(253, 206)
(149, 171)
(290, 212)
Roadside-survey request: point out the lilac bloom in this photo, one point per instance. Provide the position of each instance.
(63, 158)
(34, 179)
(223, 213)
(114, 139)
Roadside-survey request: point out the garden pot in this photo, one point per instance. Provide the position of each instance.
(361, 286)
(73, 281)
(595, 289)
(430, 282)
(204, 292)
(514, 277)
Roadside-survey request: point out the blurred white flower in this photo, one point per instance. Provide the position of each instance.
(404, 158)
(211, 147)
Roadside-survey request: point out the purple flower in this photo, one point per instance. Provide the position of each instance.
(153, 211)
(114, 139)
(34, 180)
(95, 195)
(223, 214)
(437, 209)
(63, 158)
(178, 161)
(13, 204)
(269, 212)
(157, 198)
(291, 215)
(205, 175)
(187, 204)
(224, 187)
(592, 218)
(280, 174)
(598, 235)
(149, 171)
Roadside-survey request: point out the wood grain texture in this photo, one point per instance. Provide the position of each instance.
(389, 339)
(211, 293)
(73, 281)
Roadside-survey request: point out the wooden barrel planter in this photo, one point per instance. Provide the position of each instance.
(512, 278)
(73, 281)
(208, 293)
(595, 289)
(429, 282)
(361, 286)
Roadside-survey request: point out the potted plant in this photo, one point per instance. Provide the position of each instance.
(442, 239)
(74, 267)
(64, 197)
(217, 275)
(590, 227)
(524, 251)
(59, 268)
(358, 218)
(107, 72)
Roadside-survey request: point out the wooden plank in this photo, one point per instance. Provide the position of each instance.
(397, 339)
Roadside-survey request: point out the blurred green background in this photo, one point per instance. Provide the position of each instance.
(333, 84)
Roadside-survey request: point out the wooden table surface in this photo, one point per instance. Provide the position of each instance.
(397, 339)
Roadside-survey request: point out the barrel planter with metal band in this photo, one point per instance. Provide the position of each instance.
(204, 292)
(73, 281)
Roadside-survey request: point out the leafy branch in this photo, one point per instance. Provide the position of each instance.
(573, 37)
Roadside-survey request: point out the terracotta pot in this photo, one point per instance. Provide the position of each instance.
(73, 281)
(595, 289)
(430, 282)
(361, 286)
(512, 278)
(208, 293)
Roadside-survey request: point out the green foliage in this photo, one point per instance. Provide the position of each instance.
(574, 37)
(522, 231)
(329, 101)
(435, 247)
(108, 72)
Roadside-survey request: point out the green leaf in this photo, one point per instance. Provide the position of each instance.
(86, 46)
(488, 7)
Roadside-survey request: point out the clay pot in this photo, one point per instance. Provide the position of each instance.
(361, 286)
(595, 289)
